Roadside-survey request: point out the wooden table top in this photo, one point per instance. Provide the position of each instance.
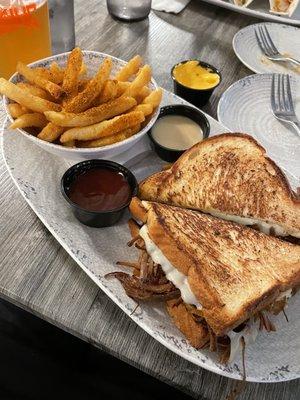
(36, 272)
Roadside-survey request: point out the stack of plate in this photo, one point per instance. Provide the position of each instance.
(245, 105)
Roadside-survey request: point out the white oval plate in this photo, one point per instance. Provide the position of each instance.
(245, 107)
(259, 9)
(286, 38)
(274, 357)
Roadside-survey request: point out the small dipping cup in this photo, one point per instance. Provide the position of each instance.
(100, 218)
(171, 155)
(198, 97)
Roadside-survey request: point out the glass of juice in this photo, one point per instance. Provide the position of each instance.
(24, 33)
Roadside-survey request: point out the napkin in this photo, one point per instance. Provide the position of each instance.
(171, 6)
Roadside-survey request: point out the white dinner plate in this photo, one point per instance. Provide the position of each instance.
(274, 357)
(259, 9)
(245, 107)
(287, 40)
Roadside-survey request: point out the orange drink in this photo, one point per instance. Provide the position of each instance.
(24, 33)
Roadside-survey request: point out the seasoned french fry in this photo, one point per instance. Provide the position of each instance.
(32, 119)
(57, 73)
(104, 128)
(84, 99)
(61, 103)
(21, 96)
(36, 91)
(93, 115)
(154, 98)
(82, 84)
(71, 76)
(83, 69)
(146, 109)
(129, 69)
(32, 77)
(122, 87)
(144, 92)
(16, 110)
(47, 74)
(112, 139)
(109, 92)
(50, 132)
(142, 79)
(71, 143)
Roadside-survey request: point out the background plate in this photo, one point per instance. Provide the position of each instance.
(274, 357)
(245, 107)
(286, 39)
(259, 9)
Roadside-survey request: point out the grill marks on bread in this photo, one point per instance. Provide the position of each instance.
(229, 173)
(233, 271)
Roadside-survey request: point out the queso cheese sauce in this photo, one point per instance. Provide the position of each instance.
(176, 132)
(194, 76)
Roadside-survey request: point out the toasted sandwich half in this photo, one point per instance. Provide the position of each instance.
(229, 176)
(220, 279)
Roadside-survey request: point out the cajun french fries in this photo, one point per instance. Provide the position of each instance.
(27, 120)
(71, 76)
(112, 139)
(56, 72)
(47, 74)
(71, 143)
(122, 87)
(144, 92)
(109, 92)
(129, 69)
(35, 90)
(142, 79)
(84, 99)
(104, 128)
(26, 99)
(16, 110)
(35, 78)
(68, 106)
(50, 132)
(154, 98)
(150, 102)
(146, 109)
(92, 115)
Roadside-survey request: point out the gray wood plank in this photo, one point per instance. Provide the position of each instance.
(39, 276)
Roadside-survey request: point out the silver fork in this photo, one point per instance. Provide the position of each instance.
(268, 47)
(282, 101)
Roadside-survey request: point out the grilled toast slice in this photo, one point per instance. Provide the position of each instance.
(229, 176)
(233, 271)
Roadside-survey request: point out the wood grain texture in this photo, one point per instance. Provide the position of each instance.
(39, 276)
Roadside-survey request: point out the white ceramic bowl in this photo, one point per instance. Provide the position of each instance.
(92, 59)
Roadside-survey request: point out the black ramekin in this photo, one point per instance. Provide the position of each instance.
(171, 155)
(198, 97)
(97, 219)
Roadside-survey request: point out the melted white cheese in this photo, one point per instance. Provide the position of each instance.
(264, 227)
(176, 277)
(249, 333)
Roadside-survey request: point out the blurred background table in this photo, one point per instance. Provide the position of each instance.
(39, 276)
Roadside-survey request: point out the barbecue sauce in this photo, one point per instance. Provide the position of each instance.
(100, 190)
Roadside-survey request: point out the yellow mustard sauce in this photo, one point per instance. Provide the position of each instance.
(194, 76)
